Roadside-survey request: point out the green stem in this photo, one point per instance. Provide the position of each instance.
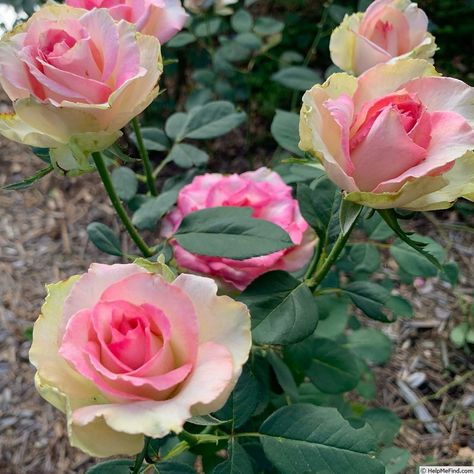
(315, 260)
(314, 45)
(145, 158)
(330, 260)
(118, 206)
(141, 456)
(319, 34)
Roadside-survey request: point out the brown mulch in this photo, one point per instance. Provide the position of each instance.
(43, 239)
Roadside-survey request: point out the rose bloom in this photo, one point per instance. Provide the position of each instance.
(126, 352)
(75, 79)
(200, 6)
(398, 136)
(387, 30)
(160, 18)
(270, 199)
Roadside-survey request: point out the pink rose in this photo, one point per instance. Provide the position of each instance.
(75, 79)
(269, 197)
(398, 136)
(125, 353)
(387, 30)
(160, 18)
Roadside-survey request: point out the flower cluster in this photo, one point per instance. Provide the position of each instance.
(129, 351)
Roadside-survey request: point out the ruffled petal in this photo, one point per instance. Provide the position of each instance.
(211, 377)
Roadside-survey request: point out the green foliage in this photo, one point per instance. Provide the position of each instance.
(230, 232)
(153, 209)
(321, 437)
(125, 183)
(242, 402)
(282, 308)
(331, 367)
(285, 131)
(116, 466)
(104, 238)
(238, 462)
(297, 77)
(27, 182)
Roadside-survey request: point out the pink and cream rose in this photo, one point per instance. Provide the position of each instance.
(159, 18)
(270, 199)
(388, 30)
(127, 351)
(398, 136)
(75, 78)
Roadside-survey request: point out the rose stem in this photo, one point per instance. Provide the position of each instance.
(341, 241)
(141, 456)
(121, 212)
(144, 156)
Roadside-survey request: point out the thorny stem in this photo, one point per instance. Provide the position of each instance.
(118, 206)
(144, 157)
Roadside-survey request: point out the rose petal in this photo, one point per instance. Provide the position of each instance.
(211, 377)
(153, 289)
(386, 152)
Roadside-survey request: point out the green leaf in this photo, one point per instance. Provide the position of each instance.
(285, 131)
(349, 212)
(319, 205)
(249, 40)
(175, 124)
(459, 334)
(125, 183)
(333, 368)
(370, 298)
(234, 52)
(412, 262)
(395, 459)
(168, 467)
(42, 154)
(242, 21)
(389, 216)
(238, 463)
(366, 387)
(299, 438)
(230, 232)
(181, 39)
(148, 215)
(370, 344)
(243, 400)
(293, 173)
(186, 156)
(332, 321)
(207, 420)
(283, 375)
(207, 27)
(385, 424)
(27, 182)
(104, 238)
(283, 309)
(376, 228)
(116, 466)
(154, 139)
(400, 306)
(297, 77)
(210, 121)
(265, 26)
(364, 258)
